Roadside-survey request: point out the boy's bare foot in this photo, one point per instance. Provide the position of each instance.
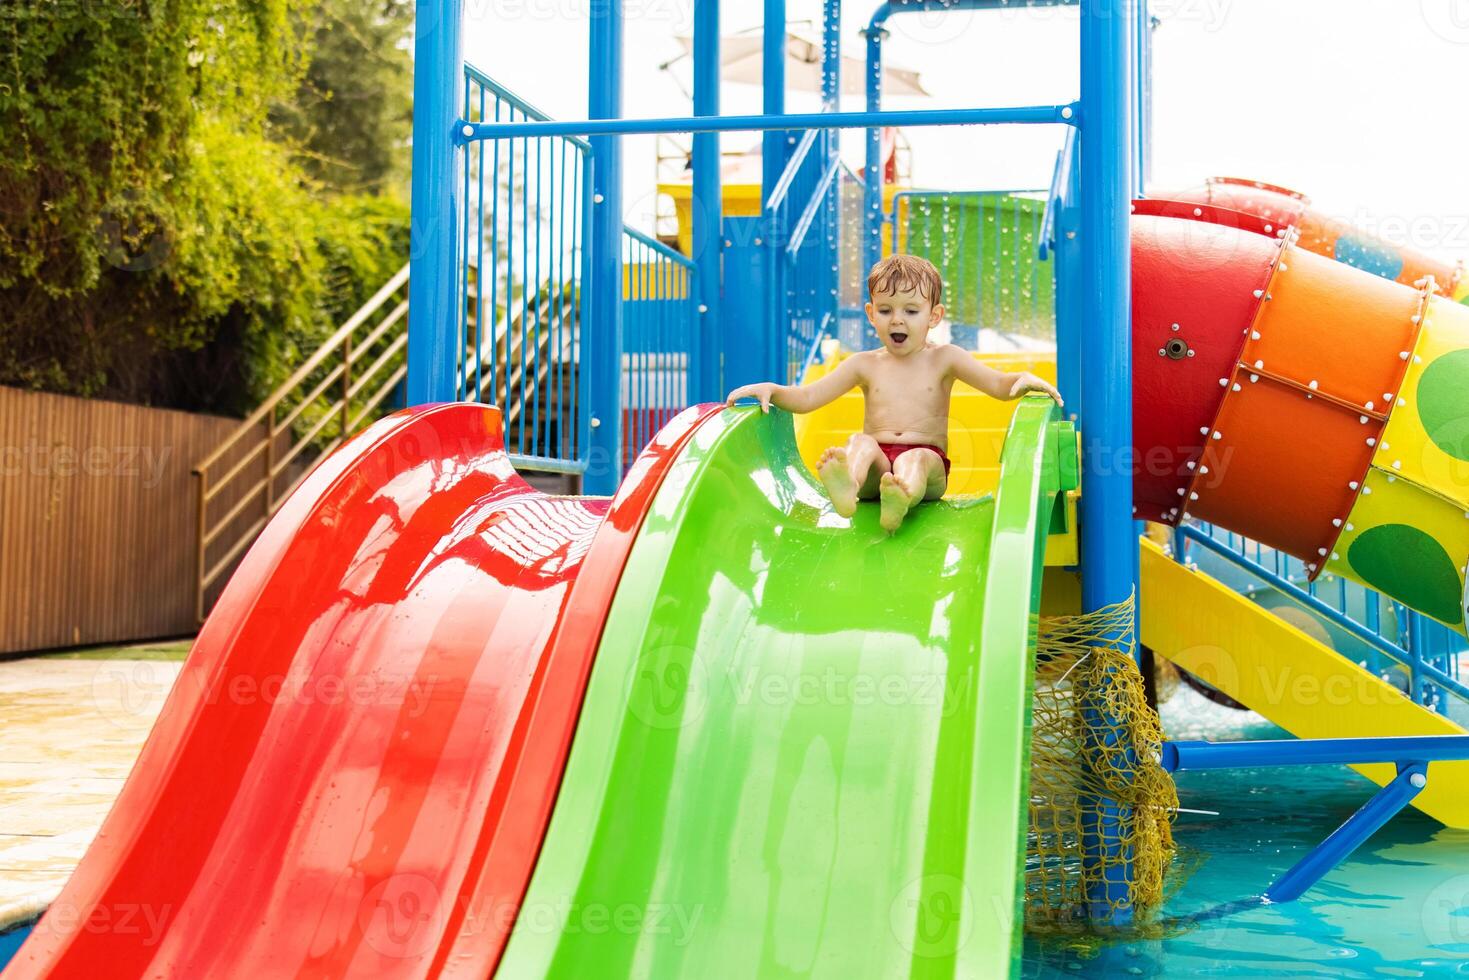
(838, 481)
(895, 502)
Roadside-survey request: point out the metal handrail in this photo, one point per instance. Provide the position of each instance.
(314, 361)
(517, 101)
(523, 264)
(261, 430)
(813, 207)
(793, 166)
(815, 349)
(663, 251)
(1060, 181)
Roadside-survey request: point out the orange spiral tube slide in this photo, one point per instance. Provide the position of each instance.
(1307, 403)
(1280, 209)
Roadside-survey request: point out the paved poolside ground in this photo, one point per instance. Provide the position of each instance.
(72, 726)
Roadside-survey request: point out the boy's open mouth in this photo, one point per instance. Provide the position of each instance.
(898, 338)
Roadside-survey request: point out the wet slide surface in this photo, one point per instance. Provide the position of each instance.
(352, 774)
(804, 744)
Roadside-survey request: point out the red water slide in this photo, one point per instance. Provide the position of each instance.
(353, 773)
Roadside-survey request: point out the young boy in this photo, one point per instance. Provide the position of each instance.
(899, 456)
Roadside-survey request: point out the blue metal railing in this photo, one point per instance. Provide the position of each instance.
(986, 246)
(1402, 646)
(522, 266)
(659, 313)
(802, 242)
(1056, 195)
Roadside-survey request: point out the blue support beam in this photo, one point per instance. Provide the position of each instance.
(1109, 548)
(1109, 552)
(433, 314)
(1195, 756)
(831, 55)
(601, 354)
(1417, 646)
(1144, 125)
(706, 355)
(1025, 115)
(1361, 825)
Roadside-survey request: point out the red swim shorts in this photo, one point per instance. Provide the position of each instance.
(892, 450)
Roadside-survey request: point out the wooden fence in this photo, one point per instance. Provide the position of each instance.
(97, 520)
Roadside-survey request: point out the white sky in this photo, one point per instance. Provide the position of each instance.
(1357, 103)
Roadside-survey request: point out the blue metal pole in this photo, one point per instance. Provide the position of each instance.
(708, 211)
(774, 153)
(1109, 552)
(1136, 77)
(1417, 644)
(1145, 57)
(433, 315)
(831, 101)
(1350, 835)
(773, 95)
(831, 55)
(601, 355)
(872, 166)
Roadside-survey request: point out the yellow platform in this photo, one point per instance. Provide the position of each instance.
(743, 201)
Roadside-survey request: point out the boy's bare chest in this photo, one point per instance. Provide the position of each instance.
(917, 383)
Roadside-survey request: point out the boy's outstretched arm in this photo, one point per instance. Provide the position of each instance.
(803, 398)
(1004, 385)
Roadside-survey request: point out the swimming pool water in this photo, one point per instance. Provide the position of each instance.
(1398, 907)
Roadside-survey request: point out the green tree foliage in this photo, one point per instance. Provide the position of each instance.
(354, 109)
(159, 240)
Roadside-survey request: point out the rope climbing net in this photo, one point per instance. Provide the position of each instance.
(1094, 767)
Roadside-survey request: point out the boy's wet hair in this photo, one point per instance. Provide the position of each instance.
(906, 272)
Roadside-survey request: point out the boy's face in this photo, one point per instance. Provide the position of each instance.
(903, 319)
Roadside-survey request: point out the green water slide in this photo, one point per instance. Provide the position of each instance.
(804, 745)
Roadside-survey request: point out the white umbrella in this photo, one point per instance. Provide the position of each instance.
(741, 60)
